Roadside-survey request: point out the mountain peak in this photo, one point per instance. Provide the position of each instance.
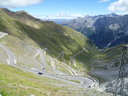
(20, 15)
(17, 12)
(22, 12)
(5, 9)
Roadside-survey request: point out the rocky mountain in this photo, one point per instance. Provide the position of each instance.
(103, 30)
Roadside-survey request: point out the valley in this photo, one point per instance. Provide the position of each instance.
(103, 30)
(79, 81)
(42, 58)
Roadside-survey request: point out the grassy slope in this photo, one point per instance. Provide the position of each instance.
(25, 55)
(110, 56)
(47, 35)
(16, 82)
(107, 60)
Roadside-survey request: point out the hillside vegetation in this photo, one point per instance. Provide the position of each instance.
(16, 82)
(44, 46)
(107, 63)
(46, 34)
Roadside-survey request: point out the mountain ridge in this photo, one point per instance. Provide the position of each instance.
(103, 30)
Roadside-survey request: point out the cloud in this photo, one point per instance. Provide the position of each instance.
(61, 15)
(18, 3)
(120, 5)
(102, 1)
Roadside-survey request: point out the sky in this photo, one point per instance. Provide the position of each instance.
(66, 9)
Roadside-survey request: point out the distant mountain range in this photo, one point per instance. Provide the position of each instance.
(58, 21)
(103, 30)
